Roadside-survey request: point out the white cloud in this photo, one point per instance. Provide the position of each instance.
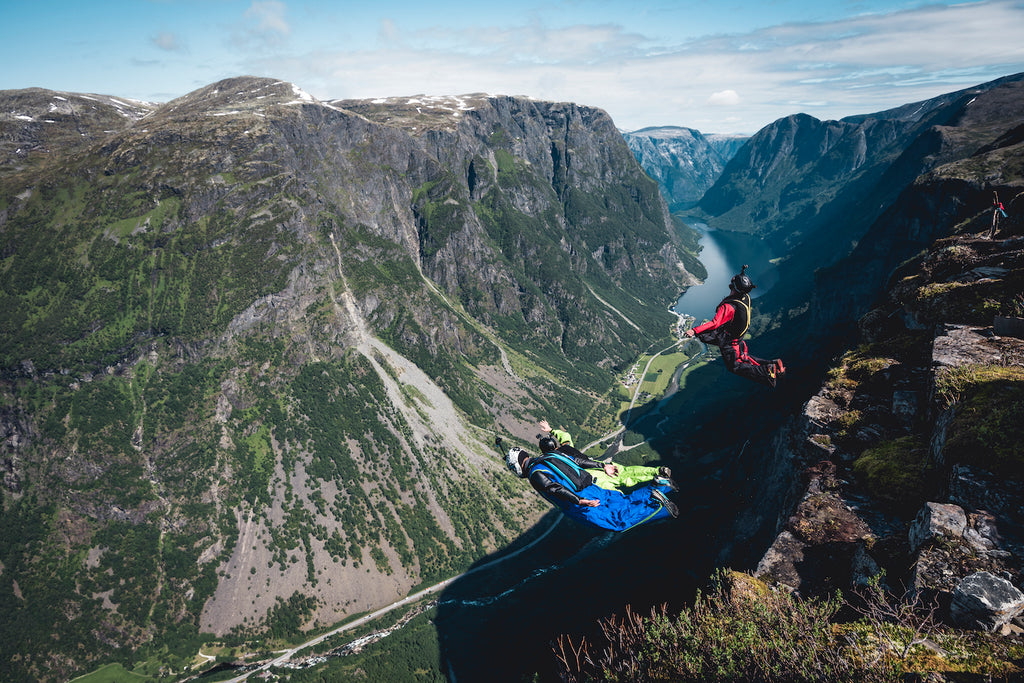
(724, 98)
(166, 41)
(838, 68)
(387, 32)
(263, 25)
(269, 17)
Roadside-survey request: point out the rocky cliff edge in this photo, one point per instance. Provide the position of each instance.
(908, 463)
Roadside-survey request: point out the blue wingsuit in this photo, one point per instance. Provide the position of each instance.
(562, 479)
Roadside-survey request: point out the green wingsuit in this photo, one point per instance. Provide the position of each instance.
(628, 476)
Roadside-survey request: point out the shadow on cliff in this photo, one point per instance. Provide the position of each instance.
(499, 623)
(719, 439)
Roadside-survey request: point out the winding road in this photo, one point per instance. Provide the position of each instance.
(617, 446)
(285, 655)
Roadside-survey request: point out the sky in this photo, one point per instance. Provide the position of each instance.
(725, 66)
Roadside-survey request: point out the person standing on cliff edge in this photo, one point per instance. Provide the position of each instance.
(726, 330)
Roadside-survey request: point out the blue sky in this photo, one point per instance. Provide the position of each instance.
(730, 66)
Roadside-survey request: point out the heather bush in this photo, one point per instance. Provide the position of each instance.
(738, 630)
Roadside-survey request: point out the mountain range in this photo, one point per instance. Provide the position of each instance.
(812, 189)
(684, 161)
(256, 347)
(891, 493)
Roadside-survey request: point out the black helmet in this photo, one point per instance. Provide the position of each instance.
(547, 444)
(742, 282)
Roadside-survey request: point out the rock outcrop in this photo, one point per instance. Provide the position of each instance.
(954, 195)
(985, 602)
(911, 452)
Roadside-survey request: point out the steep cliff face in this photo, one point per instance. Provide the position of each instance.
(956, 196)
(519, 159)
(812, 189)
(684, 162)
(913, 430)
(257, 345)
(918, 425)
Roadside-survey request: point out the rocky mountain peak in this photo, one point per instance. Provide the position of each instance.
(292, 328)
(670, 133)
(34, 105)
(417, 112)
(233, 96)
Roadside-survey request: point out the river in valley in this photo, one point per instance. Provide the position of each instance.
(723, 255)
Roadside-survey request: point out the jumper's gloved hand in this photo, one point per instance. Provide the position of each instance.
(514, 451)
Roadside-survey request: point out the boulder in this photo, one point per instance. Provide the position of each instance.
(950, 544)
(937, 520)
(781, 561)
(958, 345)
(981, 532)
(820, 410)
(985, 602)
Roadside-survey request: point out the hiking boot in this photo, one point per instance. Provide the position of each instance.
(664, 472)
(660, 498)
(666, 481)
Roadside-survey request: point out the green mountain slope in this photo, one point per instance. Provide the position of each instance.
(254, 348)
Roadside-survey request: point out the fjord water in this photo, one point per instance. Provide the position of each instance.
(723, 255)
(501, 624)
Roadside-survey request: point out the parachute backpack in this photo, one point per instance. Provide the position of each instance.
(739, 298)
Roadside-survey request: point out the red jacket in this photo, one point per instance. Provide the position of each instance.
(723, 314)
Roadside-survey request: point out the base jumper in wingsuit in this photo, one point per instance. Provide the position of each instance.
(563, 480)
(732, 318)
(621, 477)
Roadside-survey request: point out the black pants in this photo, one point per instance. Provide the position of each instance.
(739, 361)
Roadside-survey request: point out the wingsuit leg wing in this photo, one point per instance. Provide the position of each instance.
(617, 511)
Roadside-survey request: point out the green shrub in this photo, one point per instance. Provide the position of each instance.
(988, 418)
(739, 631)
(743, 630)
(895, 472)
